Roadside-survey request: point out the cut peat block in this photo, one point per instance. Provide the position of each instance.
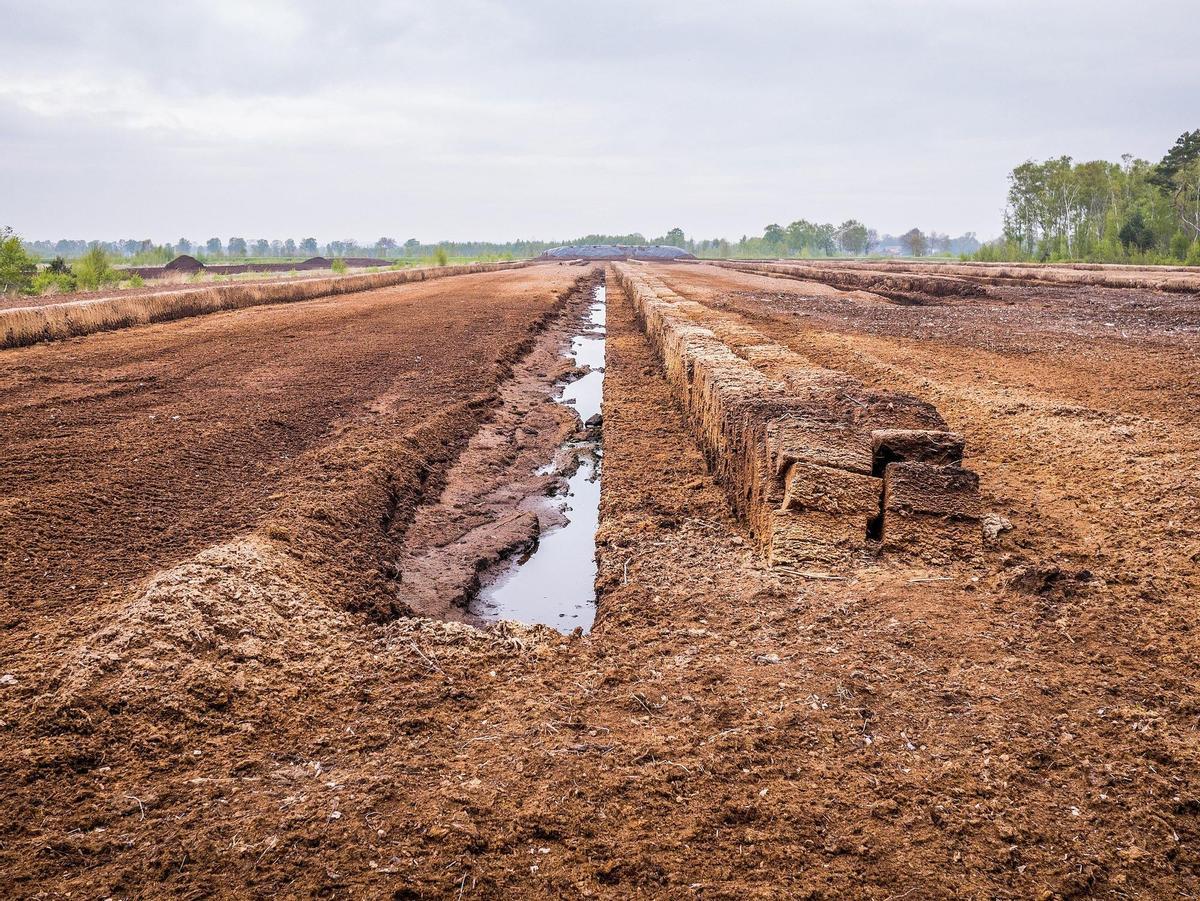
(915, 446)
(931, 511)
(824, 516)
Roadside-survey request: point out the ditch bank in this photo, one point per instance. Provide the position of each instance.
(22, 326)
(218, 625)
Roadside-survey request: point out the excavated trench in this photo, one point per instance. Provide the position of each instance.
(554, 582)
(512, 536)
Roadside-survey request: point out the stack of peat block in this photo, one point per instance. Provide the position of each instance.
(825, 470)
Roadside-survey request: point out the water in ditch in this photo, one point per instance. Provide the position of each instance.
(555, 583)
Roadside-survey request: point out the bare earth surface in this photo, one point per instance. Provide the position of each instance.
(227, 703)
(126, 452)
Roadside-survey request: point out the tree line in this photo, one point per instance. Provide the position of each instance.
(72, 264)
(147, 252)
(1100, 211)
(144, 251)
(47, 267)
(805, 239)
(799, 239)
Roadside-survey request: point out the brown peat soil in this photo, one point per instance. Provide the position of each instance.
(213, 686)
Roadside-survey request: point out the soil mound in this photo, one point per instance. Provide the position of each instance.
(902, 288)
(183, 263)
(199, 635)
(189, 264)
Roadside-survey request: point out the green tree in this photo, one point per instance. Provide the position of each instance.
(1135, 234)
(811, 238)
(826, 239)
(1185, 182)
(17, 268)
(309, 246)
(853, 237)
(237, 247)
(800, 235)
(1185, 151)
(213, 247)
(440, 256)
(675, 237)
(914, 242)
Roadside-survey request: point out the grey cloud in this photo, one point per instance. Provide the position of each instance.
(490, 119)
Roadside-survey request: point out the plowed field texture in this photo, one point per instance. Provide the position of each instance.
(606, 580)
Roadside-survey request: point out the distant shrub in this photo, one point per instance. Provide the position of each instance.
(49, 281)
(1193, 257)
(339, 266)
(1000, 252)
(93, 270)
(17, 268)
(1180, 246)
(441, 257)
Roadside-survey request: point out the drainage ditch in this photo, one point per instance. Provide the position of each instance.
(513, 534)
(554, 582)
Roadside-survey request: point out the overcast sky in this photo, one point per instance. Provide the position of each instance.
(462, 119)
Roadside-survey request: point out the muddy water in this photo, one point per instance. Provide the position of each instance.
(555, 583)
